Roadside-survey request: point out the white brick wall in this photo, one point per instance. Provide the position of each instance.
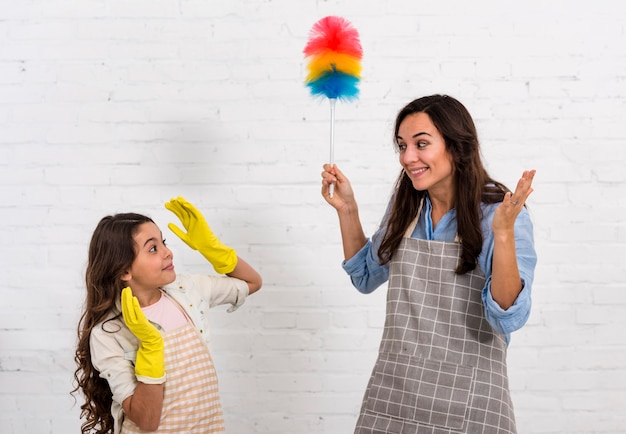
(110, 105)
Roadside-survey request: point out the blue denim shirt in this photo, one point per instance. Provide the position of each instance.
(367, 274)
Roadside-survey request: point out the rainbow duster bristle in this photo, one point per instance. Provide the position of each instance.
(334, 54)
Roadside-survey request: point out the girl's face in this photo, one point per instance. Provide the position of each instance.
(152, 267)
(423, 155)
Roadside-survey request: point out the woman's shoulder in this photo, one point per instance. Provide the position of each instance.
(489, 208)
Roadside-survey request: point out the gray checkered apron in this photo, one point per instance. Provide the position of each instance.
(441, 368)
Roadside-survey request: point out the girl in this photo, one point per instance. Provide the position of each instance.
(457, 249)
(143, 340)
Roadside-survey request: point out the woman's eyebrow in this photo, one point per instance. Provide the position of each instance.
(416, 135)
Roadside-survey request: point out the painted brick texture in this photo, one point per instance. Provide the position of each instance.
(110, 106)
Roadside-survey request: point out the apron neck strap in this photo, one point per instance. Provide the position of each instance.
(411, 227)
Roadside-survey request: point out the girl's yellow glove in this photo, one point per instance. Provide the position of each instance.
(150, 363)
(200, 237)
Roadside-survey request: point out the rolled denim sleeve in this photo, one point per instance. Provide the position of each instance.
(365, 271)
(507, 321)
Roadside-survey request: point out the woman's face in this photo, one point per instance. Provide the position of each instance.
(423, 155)
(152, 267)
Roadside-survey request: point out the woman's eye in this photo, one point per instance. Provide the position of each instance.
(421, 144)
(401, 147)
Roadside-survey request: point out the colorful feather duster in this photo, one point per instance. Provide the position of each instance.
(334, 53)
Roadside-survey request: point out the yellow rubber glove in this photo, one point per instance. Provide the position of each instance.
(200, 237)
(150, 363)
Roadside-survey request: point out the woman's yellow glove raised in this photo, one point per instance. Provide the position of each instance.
(200, 237)
(150, 363)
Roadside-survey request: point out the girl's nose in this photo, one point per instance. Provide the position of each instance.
(168, 252)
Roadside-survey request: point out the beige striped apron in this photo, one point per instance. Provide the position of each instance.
(191, 401)
(441, 369)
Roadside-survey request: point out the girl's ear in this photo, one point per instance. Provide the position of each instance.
(126, 277)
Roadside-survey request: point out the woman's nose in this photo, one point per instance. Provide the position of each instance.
(409, 155)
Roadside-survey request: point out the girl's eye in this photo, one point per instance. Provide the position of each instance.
(152, 249)
(164, 243)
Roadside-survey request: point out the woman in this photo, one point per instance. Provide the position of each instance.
(457, 248)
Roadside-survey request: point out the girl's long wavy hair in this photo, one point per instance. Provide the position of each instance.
(473, 184)
(111, 254)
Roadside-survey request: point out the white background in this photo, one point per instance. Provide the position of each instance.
(114, 105)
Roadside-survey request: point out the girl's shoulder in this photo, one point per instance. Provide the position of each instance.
(111, 324)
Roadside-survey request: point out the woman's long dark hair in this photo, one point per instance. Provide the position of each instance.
(111, 254)
(473, 184)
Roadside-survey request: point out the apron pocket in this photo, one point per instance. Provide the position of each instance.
(420, 390)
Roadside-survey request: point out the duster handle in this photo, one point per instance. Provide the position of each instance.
(332, 140)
